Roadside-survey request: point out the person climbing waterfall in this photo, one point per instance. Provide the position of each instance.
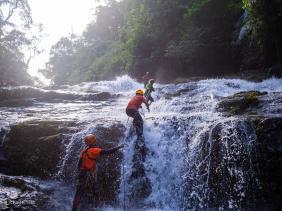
(87, 169)
(132, 110)
(146, 78)
(149, 90)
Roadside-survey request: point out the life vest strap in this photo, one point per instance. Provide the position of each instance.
(80, 159)
(88, 155)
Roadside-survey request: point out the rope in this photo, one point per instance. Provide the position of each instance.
(123, 178)
(123, 162)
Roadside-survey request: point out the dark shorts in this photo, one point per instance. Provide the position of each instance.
(85, 191)
(137, 120)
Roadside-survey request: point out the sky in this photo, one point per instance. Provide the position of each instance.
(59, 18)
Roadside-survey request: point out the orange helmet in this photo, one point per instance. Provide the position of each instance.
(90, 139)
(139, 92)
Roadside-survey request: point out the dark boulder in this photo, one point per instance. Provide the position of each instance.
(240, 103)
(34, 148)
(239, 166)
(140, 184)
(109, 167)
(267, 161)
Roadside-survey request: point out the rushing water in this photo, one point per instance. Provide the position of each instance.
(180, 133)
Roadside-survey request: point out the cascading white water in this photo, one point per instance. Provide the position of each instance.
(181, 133)
(174, 132)
(4, 130)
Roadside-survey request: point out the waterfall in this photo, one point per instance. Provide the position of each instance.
(191, 157)
(197, 157)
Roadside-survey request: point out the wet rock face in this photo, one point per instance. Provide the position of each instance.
(34, 148)
(141, 186)
(27, 96)
(231, 180)
(239, 166)
(268, 161)
(21, 194)
(108, 166)
(240, 103)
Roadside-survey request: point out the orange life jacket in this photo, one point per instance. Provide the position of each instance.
(88, 158)
(136, 102)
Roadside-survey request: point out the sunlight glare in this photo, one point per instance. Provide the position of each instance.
(59, 18)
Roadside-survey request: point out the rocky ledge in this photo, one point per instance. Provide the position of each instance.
(18, 193)
(34, 148)
(26, 96)
(37, 148)
(248, 153)
(241, 103)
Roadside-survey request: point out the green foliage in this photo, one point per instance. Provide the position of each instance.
(13, 38)
(265, 30)
(196, 6)
(169, 39)
(246, 4)
(206, 41)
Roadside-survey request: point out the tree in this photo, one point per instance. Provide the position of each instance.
(13, 38)
(265, 29)
(171, 39)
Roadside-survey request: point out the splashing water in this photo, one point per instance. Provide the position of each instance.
(182, 134)
(120, 85)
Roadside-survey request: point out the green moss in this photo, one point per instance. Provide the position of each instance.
(251, 98)
(252, 113)
(241, 103)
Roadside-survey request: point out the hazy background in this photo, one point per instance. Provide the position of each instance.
(59, 18)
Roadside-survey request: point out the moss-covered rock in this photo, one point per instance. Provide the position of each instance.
(34, 148)
(240, 103)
